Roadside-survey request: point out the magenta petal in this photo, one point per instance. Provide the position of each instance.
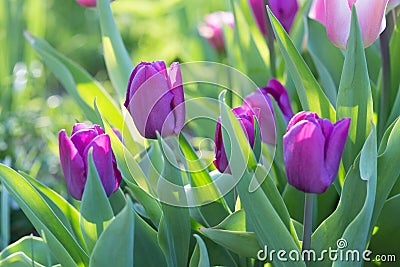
(82, 138)
(285, 11)
(259, 11)
(178, 105)
(221, 160)
(79, 126)
(72, 166)
(335, 145)
(304, 157)
(103, 160)
(279, 93)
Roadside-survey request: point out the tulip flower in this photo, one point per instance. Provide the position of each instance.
(212, 28)
(260, 100)
(335, 15)
(285, 11)
(392, 4)
(88, 3)
(245, 116)
(155, 99)
(74, 158)
(312, 150)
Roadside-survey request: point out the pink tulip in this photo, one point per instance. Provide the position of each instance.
(335, 15)
(88, 3)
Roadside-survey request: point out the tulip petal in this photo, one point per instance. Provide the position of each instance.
(257, 100)
(371, 15)
(279, 93)
(338, 15)
(103, 160)
(317, 11)
(79, 126)
(82, 138)
(392, 4)
(150, 110)
(221, 160)
(72, 166)
(178, 105)
(334, 147)
(304, 157)
(285, 11)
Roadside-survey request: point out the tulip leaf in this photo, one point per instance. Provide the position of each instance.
(326, 55)
(96, 211)
(206, 197)
(61, 242)
(311, 96)
(35, 248)
(354, 96)
(200, 255)
(250, 42)
(357, 232)
(118, 62)
(147, 252)
(388, 170)
(66, 212)
(173, 233)
(19, 259)
(115, 245)
(394, 51)
(231, 234)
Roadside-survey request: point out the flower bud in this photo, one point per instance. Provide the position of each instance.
(260, 100)
(74, 158)
(245, 116)
(155, 99)
(285, 11)
(336, 17)
(212, 28)
(312, 150)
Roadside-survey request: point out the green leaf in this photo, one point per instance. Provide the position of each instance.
(116, 243)
(118, 62)
(357, 232)
(354, 96)
(67, 213)
(19, 259)
(61, 242)
(33, 247)
(147, 252)
(203, 192)
(311, 96)
(394, 63)
(174, 228)
(200, 255)
(96, 211)
(231, 234)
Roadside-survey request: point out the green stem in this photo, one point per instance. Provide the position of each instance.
(5, 218)
(307, 221)
(270, 42)
(386, 94)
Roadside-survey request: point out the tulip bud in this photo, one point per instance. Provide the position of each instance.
(212, 28)
(245, 116)
(88, 3)
(74, 159)
(260, 100)
(155, 99)
(284, 11)
(336, 17)
(312, 150)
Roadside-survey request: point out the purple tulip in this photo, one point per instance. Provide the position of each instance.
(212, 28)
(74, 158)
(155, 99)
(245, 115)
(88, 3)
(312, 150)
(335, 15)
(260, 100)
(285, 12)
